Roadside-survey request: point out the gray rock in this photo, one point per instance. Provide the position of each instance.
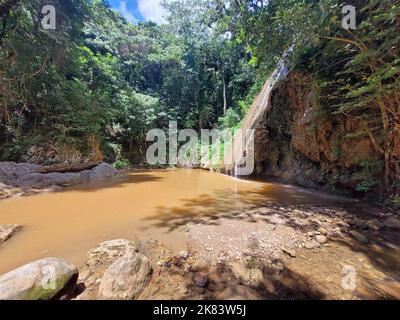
(7, 231)
(392, 222)
(25, 176)
(40, 280)
(38, 180)
(358, 236)
(103, 171)
(12, 170)
(125, 278)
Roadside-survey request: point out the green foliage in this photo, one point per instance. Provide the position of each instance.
(122, 164)
(394, 202)
(98, 74)
(230, 120)
(368, 175)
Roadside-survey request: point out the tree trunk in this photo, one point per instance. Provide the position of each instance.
(387, 143)
(224, 94)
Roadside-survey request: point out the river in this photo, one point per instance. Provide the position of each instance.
(144, 204)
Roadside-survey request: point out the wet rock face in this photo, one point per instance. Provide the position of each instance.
(40, 280)
(298, 142)
(53, 152)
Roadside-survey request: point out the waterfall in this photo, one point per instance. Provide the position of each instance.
(241, 144)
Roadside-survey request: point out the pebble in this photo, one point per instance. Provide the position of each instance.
(358, 236)
(392, 223)
(321, 239)
(322, 231)
(201, 279)
(374, 225)
(185, 254)
(311, 244)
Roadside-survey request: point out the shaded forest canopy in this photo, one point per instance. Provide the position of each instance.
(97, 79)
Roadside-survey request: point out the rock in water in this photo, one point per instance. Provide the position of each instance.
(39, 280)
(125, 278)
(7, 231)
(38, 180)
(103, 171)
(44, 180)
(12, 170)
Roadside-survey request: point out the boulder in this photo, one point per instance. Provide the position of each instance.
(27, 175)
(98, 260)
(7, 231)
(125, 278)
(103, 171)
(38, 180)
(44, 279)
(107, 252)
(12, 170)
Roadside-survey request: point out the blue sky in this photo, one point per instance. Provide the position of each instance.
(139, 10)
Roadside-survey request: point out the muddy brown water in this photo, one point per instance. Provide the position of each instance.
(144, 204)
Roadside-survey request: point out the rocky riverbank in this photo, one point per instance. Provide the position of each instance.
(267, 252)
(18, 179)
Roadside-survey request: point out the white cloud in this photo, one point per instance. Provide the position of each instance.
(152, 10)
(123, 9)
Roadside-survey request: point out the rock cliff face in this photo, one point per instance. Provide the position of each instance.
(299, 142)
(51, 152)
